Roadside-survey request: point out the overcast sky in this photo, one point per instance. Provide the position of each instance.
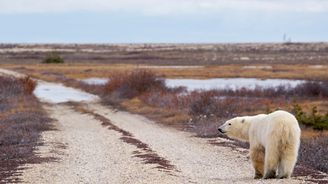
(135, 21)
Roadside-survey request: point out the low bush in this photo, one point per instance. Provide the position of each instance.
(53, 58)
(132, 84)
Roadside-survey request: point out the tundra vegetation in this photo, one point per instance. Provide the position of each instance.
(198, 111)
(22, 120)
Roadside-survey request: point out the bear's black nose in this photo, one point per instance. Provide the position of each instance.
(220, 130)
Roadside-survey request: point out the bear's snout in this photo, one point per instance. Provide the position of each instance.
(220, 130)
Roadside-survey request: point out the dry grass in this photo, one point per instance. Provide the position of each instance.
(22, 119)
(79, 71)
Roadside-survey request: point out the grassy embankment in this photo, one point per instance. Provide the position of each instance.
(22, 120)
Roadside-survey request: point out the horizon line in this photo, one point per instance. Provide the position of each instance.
(156, 43)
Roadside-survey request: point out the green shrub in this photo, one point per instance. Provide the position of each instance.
(314, 119)
(53, 58)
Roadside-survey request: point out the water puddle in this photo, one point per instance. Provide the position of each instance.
(57, 93)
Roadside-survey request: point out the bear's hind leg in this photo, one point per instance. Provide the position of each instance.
(257, 157)
(271, 161)
(287, 162)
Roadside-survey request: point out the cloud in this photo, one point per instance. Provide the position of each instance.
(161, 7)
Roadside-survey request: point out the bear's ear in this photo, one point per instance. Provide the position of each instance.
(243, 121)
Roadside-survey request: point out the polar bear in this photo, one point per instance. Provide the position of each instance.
(274, 141)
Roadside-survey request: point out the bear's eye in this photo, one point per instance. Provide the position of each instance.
(229, 124)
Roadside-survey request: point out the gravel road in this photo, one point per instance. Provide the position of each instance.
(92, 153)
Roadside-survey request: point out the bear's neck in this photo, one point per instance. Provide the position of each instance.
(244, 136)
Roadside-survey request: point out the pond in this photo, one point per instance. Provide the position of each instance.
(216, 83)
(230, 83)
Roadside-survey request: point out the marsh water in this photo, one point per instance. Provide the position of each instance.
(216, 83)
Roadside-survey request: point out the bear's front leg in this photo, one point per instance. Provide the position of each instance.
(257, 157)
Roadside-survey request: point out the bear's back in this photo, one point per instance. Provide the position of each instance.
(282, 116)
(283, 124)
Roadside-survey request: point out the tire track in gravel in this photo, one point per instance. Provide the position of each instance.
(148, 155)
(92, 154)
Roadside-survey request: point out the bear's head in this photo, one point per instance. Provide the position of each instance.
(236, 128)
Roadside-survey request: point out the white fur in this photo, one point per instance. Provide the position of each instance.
(274, 141)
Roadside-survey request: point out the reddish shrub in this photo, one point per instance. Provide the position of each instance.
(135, 83)
(28, 84)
